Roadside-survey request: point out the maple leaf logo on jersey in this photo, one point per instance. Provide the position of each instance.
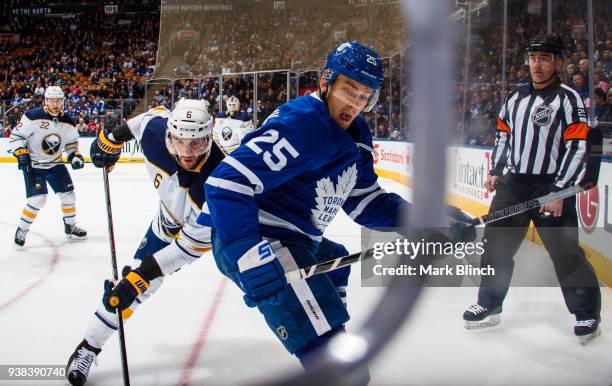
(330, 198)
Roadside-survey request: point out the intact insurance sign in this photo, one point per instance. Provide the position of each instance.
(470, 169)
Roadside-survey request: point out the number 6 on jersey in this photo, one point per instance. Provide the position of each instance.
(271, 136)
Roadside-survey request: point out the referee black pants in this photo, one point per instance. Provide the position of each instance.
(560, 237)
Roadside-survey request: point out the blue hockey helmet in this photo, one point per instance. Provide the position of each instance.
(358, 62)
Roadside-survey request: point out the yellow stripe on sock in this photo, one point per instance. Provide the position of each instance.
(68, 210)
(28, 214)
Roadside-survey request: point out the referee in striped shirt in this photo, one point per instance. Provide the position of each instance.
(541, 141)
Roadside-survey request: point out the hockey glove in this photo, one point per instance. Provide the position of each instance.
(134, 283)
(24, 162)
(461, 228)
(76, 160)
(104, 152)
(260, 274)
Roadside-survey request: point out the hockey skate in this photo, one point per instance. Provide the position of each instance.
(80, 362)
(20, 236)
(73, 232)
(477, 316)
(587, 330)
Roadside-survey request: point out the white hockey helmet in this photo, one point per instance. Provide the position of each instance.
(54, 93)
(232, 104)
(189, 132)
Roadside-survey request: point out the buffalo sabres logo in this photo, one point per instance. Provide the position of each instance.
(542, 115)
(143, 243)
(51, 144)
(170, 227)
(226, 133)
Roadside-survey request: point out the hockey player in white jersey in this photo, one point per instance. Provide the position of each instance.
(179, 156)
(230, 128)
(38, 142)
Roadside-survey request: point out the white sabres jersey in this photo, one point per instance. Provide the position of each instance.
(181, 192)
(45, 137)
(228, 132)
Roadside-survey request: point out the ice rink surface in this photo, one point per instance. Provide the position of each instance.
(196, 329)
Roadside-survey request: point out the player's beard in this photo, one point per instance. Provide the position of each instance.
(192, 162)
(188, 163)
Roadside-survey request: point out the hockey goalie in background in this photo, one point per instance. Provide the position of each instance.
(230, 128)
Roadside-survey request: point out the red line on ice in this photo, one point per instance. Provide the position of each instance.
(201, 340)
(54, 261)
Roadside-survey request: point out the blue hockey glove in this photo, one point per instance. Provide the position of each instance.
(76, 160)
(460, 227)
(260, 274)
(104, 152)
(24, 162)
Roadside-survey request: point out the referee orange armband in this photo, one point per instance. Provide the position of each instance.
(576, 131)
(501, 126)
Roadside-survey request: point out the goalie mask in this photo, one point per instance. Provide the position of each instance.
(54, 100)
(233, 105)
(189, 133)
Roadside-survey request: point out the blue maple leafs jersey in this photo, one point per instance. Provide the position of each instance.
(289, 179)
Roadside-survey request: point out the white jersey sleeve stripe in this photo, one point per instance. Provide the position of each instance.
(364, 202)
(230, 185)
(304, 293)
(267, 218)
(253, 179)
(361, 192)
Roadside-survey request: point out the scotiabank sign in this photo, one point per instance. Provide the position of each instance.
(470, 171)
(394, 156)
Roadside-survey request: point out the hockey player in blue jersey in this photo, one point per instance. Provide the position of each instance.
(311, 158)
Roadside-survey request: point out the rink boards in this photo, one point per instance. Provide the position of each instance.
(468, 168)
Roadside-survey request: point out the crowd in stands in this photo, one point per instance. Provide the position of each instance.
(99, 60)
(253, 37)
(103, 60)
(570, 23)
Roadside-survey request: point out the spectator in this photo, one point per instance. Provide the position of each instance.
(579, 84)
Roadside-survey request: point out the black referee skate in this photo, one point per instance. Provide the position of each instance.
(80, 362)
(477, 316)
(20, 236)
(586, 330)
(73, 232)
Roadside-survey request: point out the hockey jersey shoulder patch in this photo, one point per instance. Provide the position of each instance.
(154, 146)
(37, 113)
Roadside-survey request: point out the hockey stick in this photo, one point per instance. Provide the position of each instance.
(305, 273)
(589, 180)
(111, 236)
